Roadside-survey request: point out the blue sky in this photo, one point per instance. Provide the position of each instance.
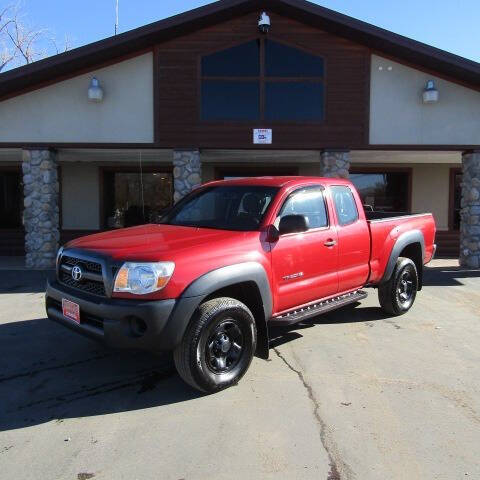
(451, 25)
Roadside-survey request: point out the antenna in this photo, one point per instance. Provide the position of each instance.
(116, 16)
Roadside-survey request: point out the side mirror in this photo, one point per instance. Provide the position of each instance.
(293, 224)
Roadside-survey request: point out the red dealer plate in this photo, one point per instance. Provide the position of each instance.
(71, 310)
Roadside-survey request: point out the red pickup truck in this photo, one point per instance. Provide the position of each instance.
(231, 259)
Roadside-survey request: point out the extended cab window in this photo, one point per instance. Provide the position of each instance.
(344, 205)
(235, 207)
(308, 202)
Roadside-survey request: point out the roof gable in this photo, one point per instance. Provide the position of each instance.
(379, 40)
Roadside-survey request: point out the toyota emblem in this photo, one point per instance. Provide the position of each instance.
(77, 273)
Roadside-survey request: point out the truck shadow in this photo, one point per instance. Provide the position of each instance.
(48, 373)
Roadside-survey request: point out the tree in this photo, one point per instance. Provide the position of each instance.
(21, 43)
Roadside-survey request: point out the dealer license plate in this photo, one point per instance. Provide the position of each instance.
(71, 310)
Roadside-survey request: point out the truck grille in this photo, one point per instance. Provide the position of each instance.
(90, 268)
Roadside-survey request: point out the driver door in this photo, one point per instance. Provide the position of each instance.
(305, 264)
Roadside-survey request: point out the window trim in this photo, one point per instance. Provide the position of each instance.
(310, 230)
(262, 79)
(335, 206)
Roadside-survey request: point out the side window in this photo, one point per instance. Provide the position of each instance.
(308, 202)
(344, 205)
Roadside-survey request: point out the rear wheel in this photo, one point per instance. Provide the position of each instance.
(218, 345)
(398, 294)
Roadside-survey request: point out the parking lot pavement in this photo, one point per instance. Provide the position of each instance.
(351, 395)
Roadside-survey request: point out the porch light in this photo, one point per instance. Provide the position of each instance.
(95, 91)
(430, 94)
(264, 23)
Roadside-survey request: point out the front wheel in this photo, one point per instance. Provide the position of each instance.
(218, 345)
(398, 294)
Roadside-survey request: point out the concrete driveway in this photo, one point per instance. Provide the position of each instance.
(352, 395)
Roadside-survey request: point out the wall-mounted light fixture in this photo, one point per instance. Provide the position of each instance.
(95, 91)
(264, 22)
(430, 93)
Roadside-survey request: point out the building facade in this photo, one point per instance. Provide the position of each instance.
(207, 95)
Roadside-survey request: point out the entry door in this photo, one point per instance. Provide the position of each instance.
(305, 264)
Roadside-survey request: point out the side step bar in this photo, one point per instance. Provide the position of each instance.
(318, 308)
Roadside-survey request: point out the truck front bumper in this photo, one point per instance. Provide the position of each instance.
(115, 321)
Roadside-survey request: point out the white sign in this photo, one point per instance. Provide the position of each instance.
(262, 135)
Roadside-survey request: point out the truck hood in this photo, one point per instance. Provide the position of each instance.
(158, 242)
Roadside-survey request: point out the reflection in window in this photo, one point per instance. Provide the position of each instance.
(344, 205)
(11, 199)
(383, 191)
(127, 203)
(230, 100)
(284, 61)
(308, 202)
(457, 200)
(291, 79)
(295, 101)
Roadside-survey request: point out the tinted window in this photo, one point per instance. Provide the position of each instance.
(344, 205)
(383, 191)
(308, 202)
(230, 100)
(11, 199)
(240, 61)
(284, 61)
(293, 101)
(226, 207)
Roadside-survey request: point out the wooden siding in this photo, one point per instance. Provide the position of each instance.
(177, 100)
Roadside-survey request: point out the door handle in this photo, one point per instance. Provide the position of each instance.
(330, 243)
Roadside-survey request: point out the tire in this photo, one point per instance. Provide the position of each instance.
(209, 358)
(398, 294)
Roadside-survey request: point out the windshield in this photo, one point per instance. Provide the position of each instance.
(234, 207)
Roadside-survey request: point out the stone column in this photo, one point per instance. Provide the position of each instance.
(187, 172)
(334, 163)
(41, 213)
(470, 212)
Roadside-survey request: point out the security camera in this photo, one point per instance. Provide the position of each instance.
(264, 23)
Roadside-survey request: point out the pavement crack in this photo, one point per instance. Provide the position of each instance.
(334, 461)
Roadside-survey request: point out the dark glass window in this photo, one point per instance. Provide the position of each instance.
(308, 202)
(131, 199)
(284, 61)
(11, 199)
(344, 205)
(383, 191)
(289, 89)
(240, 61)
(457, 200)
(295, 101)
(234, 207)
(225, 100)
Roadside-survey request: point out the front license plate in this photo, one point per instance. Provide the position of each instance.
(71, 310)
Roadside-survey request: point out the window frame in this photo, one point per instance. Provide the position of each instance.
(325, 203)
(335, 205)
(262, 79)
(381, 170)
(149, 168)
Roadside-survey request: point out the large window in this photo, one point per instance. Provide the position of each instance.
(262, 80)
(131, 198)
(11, 199)
(383, 191)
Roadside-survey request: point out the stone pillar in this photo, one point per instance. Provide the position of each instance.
(334, 163)
(187, 172)
(470, 212)
(41, 213)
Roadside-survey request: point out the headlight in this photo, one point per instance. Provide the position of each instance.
(142, 278)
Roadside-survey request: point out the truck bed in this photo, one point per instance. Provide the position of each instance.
(386, 227)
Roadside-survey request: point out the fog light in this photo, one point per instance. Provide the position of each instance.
(137, 326)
